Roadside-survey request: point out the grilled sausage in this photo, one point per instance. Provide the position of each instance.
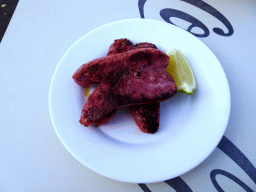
(135, 60)
(126, 89)
(146, 116)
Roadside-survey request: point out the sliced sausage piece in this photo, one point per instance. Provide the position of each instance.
(135, 60)
(125, 90)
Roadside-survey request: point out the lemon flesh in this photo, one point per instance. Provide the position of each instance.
(181, 71)
(86, 92)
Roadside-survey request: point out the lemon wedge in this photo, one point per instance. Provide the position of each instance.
(181, 71)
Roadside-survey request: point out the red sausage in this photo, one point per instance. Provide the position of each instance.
(135, 60)
(127, 89)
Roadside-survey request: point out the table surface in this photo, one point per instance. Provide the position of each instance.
(40, 32)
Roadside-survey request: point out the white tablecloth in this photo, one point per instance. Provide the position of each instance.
(40, 32)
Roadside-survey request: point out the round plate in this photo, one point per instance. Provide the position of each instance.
(190, 126)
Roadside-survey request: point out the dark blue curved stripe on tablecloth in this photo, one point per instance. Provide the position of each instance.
(215, 13)
(144, 188)
(7, 8)
(177, 183)
(216, 172)
(238, 157)
(141, 7)
(168, 13)
(231, 151)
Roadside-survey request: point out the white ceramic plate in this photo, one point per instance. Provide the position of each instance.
(190, 126)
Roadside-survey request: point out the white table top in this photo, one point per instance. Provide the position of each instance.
(40, 32)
